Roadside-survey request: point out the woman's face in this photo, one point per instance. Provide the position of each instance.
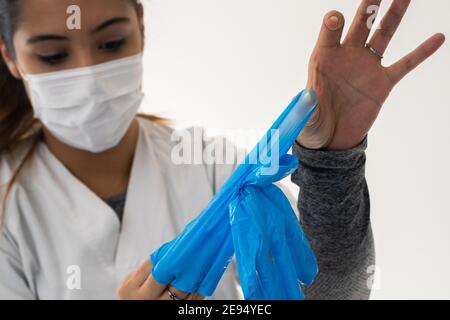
(110, 29)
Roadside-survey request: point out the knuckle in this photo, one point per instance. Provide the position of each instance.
(361, 17)
(387, 32)
(396, 14)
(315, 60)
(408, 63)
(320, 63)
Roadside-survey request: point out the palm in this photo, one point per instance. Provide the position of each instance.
(350, 81)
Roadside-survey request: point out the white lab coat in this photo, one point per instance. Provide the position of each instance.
(56, 229)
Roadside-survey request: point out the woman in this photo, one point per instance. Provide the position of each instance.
(73, 150)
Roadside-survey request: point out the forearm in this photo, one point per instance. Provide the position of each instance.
(335, 214)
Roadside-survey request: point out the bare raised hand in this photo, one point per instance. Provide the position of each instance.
(349, 78)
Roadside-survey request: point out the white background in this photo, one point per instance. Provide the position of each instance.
(237, 63)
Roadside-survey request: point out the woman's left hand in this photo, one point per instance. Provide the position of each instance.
(140, 285)
(349, 78)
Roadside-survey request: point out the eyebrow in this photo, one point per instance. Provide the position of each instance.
(110, 22)
(53, 37)
(46, 37)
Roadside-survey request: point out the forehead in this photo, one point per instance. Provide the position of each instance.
(44, 16)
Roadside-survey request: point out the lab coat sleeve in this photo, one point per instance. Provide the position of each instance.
(13, 283)
(335, 214)
(227, 159)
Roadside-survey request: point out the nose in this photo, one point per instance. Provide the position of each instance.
(85, 56)
(86, 59)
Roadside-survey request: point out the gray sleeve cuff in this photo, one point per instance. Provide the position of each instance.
(321, 159)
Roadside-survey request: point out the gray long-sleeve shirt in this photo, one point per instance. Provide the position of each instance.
(334, 211)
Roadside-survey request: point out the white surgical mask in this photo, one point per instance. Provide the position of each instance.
(89, 108)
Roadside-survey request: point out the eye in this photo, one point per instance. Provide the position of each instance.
(53, 58)
(112, 45)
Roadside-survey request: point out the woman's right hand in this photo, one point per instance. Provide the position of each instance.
(140, 285)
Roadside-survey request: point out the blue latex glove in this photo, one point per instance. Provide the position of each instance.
(272, 253)
(249, 216)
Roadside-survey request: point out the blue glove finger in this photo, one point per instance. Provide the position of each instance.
(172, 263)
(217, 269)
(247, 239)
(286, 268)
(302, 255)
(281, 256)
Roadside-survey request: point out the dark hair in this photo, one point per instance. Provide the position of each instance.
(17, 122)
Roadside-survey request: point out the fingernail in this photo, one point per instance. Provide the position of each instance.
(333, 22)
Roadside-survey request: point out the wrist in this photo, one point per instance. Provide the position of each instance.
(344, 144)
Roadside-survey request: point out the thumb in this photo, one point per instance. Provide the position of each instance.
(332, 28)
